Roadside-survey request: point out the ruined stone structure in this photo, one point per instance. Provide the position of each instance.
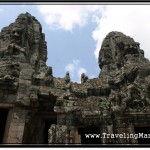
(37, 108)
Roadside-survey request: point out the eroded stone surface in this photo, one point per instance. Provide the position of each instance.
(115, 101)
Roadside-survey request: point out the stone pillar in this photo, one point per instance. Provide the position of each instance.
(124, 127)
(103, 130)
(119, 128)
(130, 130)
(74, 137)
(59, 134)
(17, 125)
(107, 130)
(34, 130)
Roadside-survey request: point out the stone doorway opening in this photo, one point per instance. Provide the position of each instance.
(89, 139)
(143, 130)
(3, 119)
(48, 123)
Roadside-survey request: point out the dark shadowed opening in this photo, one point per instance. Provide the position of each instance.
(143, 130)
(48, 123)
(3, 118)
(90, 140)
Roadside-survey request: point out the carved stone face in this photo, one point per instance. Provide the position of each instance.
(16, 36)
(115, 47)
(126, 44)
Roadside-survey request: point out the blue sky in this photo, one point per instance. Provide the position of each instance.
(74, 33)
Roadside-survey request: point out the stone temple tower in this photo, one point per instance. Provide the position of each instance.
(38, 108)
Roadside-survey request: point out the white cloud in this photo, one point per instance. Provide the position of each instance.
(75, 70)
(67, 16)
(132, 20)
